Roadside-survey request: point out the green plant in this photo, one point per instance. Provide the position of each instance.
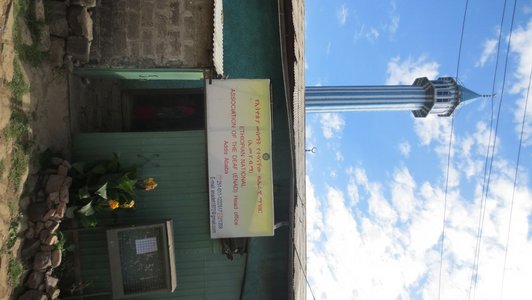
(29, 53)
(17, 127)
(2, 167)
(61, 240)
(14, 227)
(14, 271)
(18, 85)
(104, 186)
(19, 164)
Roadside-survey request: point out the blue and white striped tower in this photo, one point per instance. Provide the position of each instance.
(440, 97)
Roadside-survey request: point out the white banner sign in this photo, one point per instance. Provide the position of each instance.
(239, 158)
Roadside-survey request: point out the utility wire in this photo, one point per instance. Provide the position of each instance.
(449, 153)
(515, 183)
(494, 143)
(482, 198)
(304, 273)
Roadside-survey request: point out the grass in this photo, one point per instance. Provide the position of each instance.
(14, 271)
(17, 129)
(30, 54)
(19, 163)
(18, 85)
(2, 167)
(14, 227)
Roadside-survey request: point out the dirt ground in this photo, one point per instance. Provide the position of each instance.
(47, 107)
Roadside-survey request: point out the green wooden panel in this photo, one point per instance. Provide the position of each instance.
(178, 163)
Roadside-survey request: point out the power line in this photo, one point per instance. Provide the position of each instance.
(482, 199)
(515, 182)
(449, 153)
(304, 273)
(494, 144)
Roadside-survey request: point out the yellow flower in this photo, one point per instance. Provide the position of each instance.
(149, 184)
(113, 204)
(129, 204)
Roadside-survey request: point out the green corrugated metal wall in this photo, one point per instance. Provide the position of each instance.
(252, 50)
(177, 160)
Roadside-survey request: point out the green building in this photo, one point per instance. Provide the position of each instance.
(149, 57)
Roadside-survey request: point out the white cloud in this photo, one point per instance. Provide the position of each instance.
(372, 34)
(403, 199)
(342, 14)
(332, 124)
(522, 47)
(407, 71)
(328, 50)
(488, 51)
(404, 148)
(338, 156)
(394, 24)
(432, 129)
(372, 256)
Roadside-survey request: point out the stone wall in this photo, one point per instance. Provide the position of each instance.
(152, 33)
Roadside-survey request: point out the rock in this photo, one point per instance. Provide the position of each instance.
(36, 211)
(80, 22)
(49, 171)
(59, 27)
(54, 293)
(86, 3)
(67, 164)
(67, 183)
(25, 34)
(51, 282)
(53, 198)
(60, 210)
(51, 240)
(38, 9)
(53, 227)
(68, 63)
(62, 170)
(33, 295)
(64, 194)
(30, 233)
(50, 214)
(54, 183)
(42, 260)
(29, 248)
(56, 161)
(47, 248)
(25, 201)
(34, 280)
(72, 16)
(87, 25)
(45, 233)
(57, 52)
(39, 226)
(44, 38)
(57, 256)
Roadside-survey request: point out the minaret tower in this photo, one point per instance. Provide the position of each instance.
(440, 97)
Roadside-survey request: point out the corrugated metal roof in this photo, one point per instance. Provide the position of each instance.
(177, 161)
(296, 64)
(218, 37)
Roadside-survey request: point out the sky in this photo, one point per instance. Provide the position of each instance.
(376, 183)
